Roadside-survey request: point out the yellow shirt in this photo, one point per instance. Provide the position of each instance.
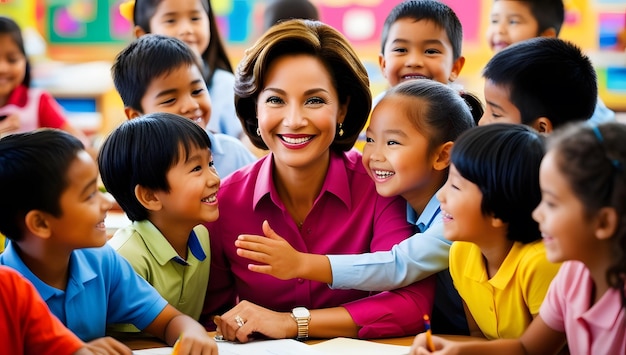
(504, 305)
(2, 242)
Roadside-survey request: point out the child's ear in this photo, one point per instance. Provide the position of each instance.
(37, 223)
(543, 125)
(139, 31)
(550, 32)
(497, 222)
(131, 113)
(457, 66)
(442, 158)
(382, 63)
(148, 198)
(607, 221)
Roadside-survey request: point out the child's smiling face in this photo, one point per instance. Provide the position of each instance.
(418, 50)
(83, 207)
(12, 66)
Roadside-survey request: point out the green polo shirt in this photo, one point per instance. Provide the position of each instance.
(181, 282)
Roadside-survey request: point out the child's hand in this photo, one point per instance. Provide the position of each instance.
(10, 123)
(281, 259)
(420, 347)
(108, 346)
(195, 343)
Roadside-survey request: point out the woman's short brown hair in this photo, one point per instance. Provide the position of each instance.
(315, 38)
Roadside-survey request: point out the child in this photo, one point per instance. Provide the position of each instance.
(497, 260)
(542, 82)
(156, 73)
(581, 217)
(160, 170)
(27, 326)
(58, 242)
(514, 21)
(410, 160)
(280, 10)
(23, 108)
(193, 22)
(421, 39)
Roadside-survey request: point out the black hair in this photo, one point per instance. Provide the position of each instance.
(141, 151)
(12, 29)
(439, 13)
(546, 77)
(33, 175)
(280, 10)
(547, 13)
(214, 56)
(503, 161)
(594, 168)
(146, 58)
(439, 111)
(329, 46)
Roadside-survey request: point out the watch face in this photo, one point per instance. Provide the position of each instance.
(301, 312)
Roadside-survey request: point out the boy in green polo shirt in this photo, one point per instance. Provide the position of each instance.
(160, 170)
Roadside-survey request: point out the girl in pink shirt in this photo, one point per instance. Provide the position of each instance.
(582, 217)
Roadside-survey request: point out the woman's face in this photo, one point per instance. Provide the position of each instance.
(298, 110)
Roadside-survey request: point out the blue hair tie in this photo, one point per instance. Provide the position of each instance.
(616, 163)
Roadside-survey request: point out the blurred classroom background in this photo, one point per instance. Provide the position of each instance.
(71, 44)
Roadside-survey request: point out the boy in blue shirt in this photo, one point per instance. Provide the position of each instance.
(158, 73)
(55, 221)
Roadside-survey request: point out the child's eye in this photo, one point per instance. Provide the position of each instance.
(454, 186)
(168, 101)
(513, 22)
(212, 164)
(432, 51)
(197, 92)
(392, 142)
(274, 100)
(196, 18)
(369, 140)
(399, 50)
(315, 101)
(196, 168)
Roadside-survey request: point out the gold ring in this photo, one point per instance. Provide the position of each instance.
(240, 322)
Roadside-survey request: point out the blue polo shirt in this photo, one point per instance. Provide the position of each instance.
(98, 292)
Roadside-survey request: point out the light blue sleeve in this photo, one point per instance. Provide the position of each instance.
(223, 116)
(415, 258)
(602, 113)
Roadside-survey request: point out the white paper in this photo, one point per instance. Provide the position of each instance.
(348, 346)
(259, 347)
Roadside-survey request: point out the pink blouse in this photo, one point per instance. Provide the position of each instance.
(348, 217)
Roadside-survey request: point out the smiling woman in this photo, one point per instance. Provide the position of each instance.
(302, 92)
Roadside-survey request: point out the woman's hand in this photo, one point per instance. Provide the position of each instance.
(280, 259)
(246, 319)
(442, 346)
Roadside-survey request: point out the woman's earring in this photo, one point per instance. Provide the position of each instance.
(340, 129)
(258, 131)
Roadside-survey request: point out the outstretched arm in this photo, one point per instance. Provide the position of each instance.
(276, 257)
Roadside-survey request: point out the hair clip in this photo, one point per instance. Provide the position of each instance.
(127, 10)
(596, 131)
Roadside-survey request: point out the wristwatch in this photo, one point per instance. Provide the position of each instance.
(302, 316)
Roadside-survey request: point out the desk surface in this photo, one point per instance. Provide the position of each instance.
(147, 343)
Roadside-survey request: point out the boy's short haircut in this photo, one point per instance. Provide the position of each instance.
(146, 58)
(546, 77)
(33, 175)
(548, 13)
(431, 10)
(141, 151)
(503, 161)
